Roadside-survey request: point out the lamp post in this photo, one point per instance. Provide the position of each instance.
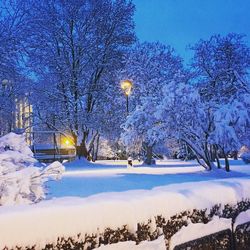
(126, 86)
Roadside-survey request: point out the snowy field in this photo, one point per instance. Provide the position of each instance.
(84, 179)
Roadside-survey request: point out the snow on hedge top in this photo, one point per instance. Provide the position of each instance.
(242, 218)
(199, 230)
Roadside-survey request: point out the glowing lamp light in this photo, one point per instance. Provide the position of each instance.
(126, 87)
(67, 142)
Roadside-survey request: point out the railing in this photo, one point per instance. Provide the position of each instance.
(52, 154)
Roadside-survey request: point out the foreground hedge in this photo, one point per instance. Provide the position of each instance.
(220, 240)
(160, 225)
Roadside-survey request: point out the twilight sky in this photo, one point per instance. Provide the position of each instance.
(182, 22)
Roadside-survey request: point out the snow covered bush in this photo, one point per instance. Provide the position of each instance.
(246, 157)
(105, 149)
(21, 180)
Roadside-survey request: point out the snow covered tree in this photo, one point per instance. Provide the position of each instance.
(142, 131)
(230, 122)
(182, 117)
(221, 65)
(105, 149)
(21, 181)
(13, 82)
(211, 114)
(74, 48)
(150, 66)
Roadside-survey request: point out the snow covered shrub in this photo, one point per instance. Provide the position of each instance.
(246, 157)
(111, 236)
(75, 243)
(147, 231)
(21, 180)
(176, 222)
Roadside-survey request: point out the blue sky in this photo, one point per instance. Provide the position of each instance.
(182, 22)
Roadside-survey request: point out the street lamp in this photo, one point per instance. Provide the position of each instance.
(126, 86)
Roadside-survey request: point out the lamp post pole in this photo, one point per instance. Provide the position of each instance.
(127, 104)
(126, 87)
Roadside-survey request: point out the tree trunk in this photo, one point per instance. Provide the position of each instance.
(227, 167)
(149, 155)
(213, 153)
(95, 153)
(217, 156)
(235, 155)
(81, 150)
(207, 158)
(201, 163)
(206, 162)
(218, 161)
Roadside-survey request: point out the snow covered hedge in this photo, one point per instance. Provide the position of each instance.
(191, 228)
(21, 176)
(137, 215)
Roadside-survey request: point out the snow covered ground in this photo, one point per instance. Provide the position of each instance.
(84, 179)
(143, 192)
